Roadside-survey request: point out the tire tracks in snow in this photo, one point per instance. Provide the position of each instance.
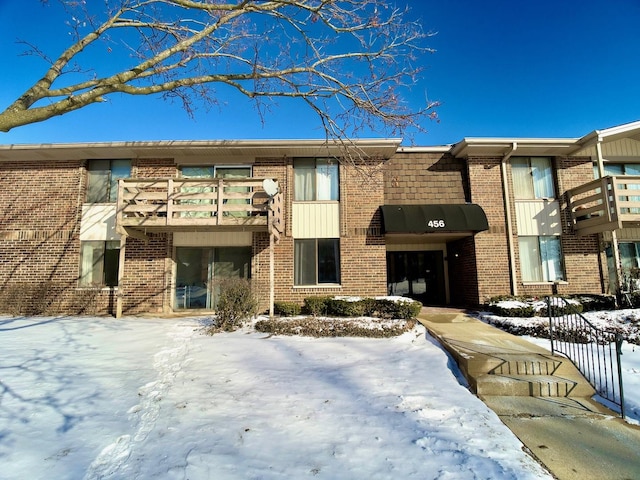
(113, 460)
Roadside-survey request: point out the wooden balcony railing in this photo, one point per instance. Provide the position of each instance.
(173, 204)
(606, 204)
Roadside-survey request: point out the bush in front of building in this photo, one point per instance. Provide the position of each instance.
(594, 303)
(527, 307)
(343, 316)
(332, 327)
(287, 309)
(47, 298)
(404, 308)
(236, 304)
(315, 306)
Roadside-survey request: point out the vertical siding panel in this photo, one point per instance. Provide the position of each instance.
(316, 220)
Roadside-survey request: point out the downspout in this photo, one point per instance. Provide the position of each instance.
(507, 209)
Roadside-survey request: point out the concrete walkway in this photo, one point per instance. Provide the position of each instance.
(542, 398)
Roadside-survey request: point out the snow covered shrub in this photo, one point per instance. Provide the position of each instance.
(407, 309)
(287, 309)
(534, 327)
(325, 327)
(594, 303)
(236, 304)
(511, 306)
(559, 307)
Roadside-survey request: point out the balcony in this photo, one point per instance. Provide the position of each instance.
(606, 204)
(181, 204)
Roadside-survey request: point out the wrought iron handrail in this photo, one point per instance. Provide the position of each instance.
(594, 351)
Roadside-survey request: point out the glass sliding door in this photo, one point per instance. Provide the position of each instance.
(193, 278)
(200, 271)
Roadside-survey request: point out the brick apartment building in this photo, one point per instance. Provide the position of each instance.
(153, 227)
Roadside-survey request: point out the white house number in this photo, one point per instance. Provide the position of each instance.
(436, 224)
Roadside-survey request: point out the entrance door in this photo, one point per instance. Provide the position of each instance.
(200, 271)
(417, 275)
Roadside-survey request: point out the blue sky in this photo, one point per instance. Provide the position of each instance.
(502, 68)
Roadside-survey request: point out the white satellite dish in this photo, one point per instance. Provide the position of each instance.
(270, 187)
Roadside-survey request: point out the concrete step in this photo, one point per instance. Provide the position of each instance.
(521, 364)
(530, 386)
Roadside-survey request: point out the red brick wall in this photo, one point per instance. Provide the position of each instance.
(581, 255)
(39, 228)
(145, 284)
(491, 251)
(362, 249)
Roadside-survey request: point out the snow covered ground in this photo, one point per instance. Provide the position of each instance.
(99, 398)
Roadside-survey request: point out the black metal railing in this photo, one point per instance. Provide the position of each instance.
(594, 351)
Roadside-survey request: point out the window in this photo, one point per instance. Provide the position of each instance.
(541, 259)
(617, 169)
(629, 255)
(532, 177)
(623, 169)
(316, 261)
(315, 179)
(211, 171)
(102, 179)
(99, 262)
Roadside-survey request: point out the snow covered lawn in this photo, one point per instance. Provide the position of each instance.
(99, 398)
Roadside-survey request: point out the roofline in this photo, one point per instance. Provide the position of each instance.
(501, 146)
(385, 147)
(417, 149)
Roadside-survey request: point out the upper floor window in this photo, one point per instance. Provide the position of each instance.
(315, 179)
(617, 169)
(102, 179)
(532, 178)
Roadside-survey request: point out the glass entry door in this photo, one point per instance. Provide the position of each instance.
(417, 275)
(200, 271)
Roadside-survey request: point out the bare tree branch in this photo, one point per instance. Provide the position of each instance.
(350, 61)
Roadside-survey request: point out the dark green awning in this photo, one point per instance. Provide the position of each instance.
(466, 217)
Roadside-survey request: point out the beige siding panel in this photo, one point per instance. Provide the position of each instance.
(621, 148)
(629, 234)
(98, 222)
(315, 220)
(615, 151)
(212, 239)
(538, 217)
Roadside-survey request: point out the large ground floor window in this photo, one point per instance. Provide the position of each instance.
(316, 261)
(200, 271)
(629, 264)
(541, 259)
(99, 261)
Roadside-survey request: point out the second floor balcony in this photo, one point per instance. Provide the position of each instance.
(184, 204)
(605, 204)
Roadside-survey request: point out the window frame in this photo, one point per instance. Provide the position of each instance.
(540, 269)
(319, 187)
(525, 183)
(325, 271)
(102, 268)
(102, 184)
